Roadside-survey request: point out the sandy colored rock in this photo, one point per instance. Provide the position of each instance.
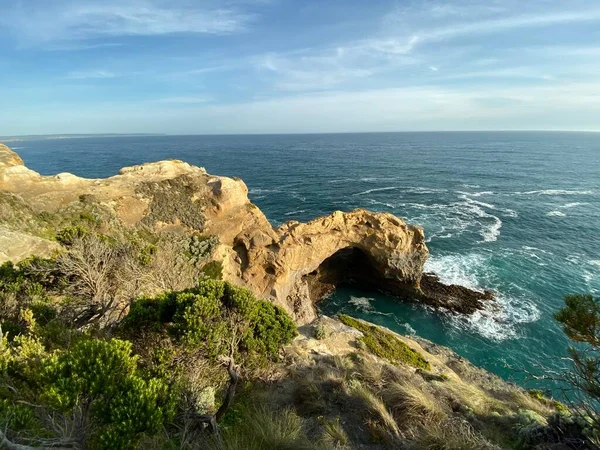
(293, 265)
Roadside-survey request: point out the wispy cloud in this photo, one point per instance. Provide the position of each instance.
(184, 100)
(89, 74)
(37, 21)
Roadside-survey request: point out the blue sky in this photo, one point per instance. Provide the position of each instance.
(279, 66)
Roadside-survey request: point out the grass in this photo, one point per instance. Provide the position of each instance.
(377, 408)
(452, 434)
(412, 403)
(385, 344)
(265, 428)
(334, 435)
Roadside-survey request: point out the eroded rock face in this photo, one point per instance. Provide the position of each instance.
(279, 263)
(293, 265)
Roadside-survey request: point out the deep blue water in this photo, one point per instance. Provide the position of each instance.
(518, 213)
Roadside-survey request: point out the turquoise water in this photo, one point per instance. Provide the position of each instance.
(517, 213)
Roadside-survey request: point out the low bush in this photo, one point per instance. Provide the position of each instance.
(216, 318)
(385, 345)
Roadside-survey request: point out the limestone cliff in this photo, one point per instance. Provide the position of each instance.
(293, 265)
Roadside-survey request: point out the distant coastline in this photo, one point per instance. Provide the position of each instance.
(43, 137)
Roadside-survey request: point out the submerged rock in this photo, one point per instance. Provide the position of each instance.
(294, 265)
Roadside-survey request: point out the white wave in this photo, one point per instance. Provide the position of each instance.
(368, 191)
(555, 192)
(376, 202)
(375, 179)
(423, 190)
(594, 262)
(17, 148)
(362, 303)
(476, 194)
(556, 214)
(298, 196)
(409, 328)
(470, 201)
(341, 180)
(299, 211)
(573, 205)
(499, 320)
(457, 269)
(491, 234)
(535, 249)
(262, 191)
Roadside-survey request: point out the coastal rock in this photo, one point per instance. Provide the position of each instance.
(294, 265)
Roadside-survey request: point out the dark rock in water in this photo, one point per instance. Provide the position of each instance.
(453, 297)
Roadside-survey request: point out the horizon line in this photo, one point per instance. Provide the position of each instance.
(13, 138)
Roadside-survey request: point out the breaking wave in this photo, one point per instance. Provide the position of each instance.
(499, 320)
(556, 214)
(368, 191)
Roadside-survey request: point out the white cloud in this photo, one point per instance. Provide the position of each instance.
(88, 74)
(35, 22)
(188, 99)
(565, 106)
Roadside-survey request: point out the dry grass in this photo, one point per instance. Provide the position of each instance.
(411, 402)
(524, 401)
(264, 428)
(377, 408)
(452, 434)
(334, 435)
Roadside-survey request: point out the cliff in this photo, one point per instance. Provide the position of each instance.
(294, 265)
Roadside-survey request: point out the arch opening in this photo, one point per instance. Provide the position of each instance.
(349, 265)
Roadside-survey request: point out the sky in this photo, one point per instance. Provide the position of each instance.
(303, 66)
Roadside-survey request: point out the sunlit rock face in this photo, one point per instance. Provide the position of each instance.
(294, 265)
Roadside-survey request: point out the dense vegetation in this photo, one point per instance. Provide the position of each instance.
(90, 359)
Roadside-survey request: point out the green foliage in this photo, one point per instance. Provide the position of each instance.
(214, 317)
(385, 345)
(22, 287)
(104, 375)
(213, 270)
(581, 319)
(201, 248)
(68, 235)
(319, 331)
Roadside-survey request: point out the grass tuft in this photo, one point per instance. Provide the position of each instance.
(385, 344)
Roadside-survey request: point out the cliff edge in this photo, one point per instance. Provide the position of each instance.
(294, 265)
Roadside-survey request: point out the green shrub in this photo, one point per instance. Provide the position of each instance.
(213, 270)
(213, 316)
(68, 235)
(319, 331)
(103, 374)
(385, 345)
(201, 248)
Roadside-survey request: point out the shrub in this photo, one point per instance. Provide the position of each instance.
(104, 375)
(213, 270)
(217, 318)
(68, 235)
(201, 248)
(319, 331)
(385, 345)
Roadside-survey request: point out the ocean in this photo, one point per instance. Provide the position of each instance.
(514, 212)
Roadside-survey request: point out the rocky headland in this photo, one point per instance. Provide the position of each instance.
(293, 265)
(135, 284)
